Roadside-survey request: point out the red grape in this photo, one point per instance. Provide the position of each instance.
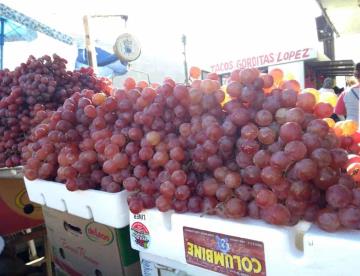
(288, 98)
(305, 169)
(167, 189)
(322, 157)
(163, 204)
(328, 220)
(251, 175)
(295, 150)
(223, 193)
(290, 131)
(323, 110)
(265, 198)
(295, 114)
(249, 131)
(182, 192)
(338, 196)
(232, 180)
(235, 208)
(306, 101)
(263, 117)
(276, 214)
(262, 158)
(350, 217)
(318, 127)
(266, 136)
(280, 160)
(270, 175)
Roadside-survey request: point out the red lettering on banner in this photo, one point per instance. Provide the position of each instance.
(262, 60)
(248, 62)
(306, 53)
(253, 62)
(292, 54)
(243, 64)
(266, 59)
(271, 56)
(286, 55)
(231, 65)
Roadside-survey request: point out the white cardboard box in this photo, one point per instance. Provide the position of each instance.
(246, 246)
(15, 172)
(106, 208)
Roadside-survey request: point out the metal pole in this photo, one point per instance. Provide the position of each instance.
(2, 40)
(185, 62)
(323, 10)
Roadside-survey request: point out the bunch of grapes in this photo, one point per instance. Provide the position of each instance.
(28, 94)
(267, 155)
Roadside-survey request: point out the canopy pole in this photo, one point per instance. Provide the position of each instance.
(90, 48)
(2, 38)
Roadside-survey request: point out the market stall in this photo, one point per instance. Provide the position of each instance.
(219, 193)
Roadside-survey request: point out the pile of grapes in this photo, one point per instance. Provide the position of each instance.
(27, 95)
(267, 153)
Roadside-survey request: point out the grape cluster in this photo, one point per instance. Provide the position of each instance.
(28, 94)
(266, 155)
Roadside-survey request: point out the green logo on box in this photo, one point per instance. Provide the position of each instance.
(99, 233)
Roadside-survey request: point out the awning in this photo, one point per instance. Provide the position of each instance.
(333, 68)
(33, 24)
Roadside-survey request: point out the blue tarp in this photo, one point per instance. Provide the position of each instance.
(108, 64)
(12, 31)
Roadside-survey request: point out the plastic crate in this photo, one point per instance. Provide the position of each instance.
(154, 265)
(106, 208)
(246, 246)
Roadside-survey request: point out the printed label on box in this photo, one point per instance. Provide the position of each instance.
(140, 234)
(99, 233)
(224, 254)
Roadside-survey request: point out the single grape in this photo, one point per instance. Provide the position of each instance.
(232, 180)
(265, 198)
(182, 192)
(235, 208)
(328, 220)
(338, 196)
(349, 217)
(136, 205)
(167, 189)
(276, 214)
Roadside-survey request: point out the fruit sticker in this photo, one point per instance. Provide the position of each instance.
(224, 254)
(140, 234)
(99, 233)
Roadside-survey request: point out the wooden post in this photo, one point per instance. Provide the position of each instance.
(89, 45)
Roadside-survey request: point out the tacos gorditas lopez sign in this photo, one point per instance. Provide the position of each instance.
(267, 59)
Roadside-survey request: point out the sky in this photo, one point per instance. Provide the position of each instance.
(215, 30)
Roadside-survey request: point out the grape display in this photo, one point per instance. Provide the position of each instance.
(265, 154)
(29, 93)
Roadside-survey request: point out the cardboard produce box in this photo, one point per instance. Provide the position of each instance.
(16, 211)
(84, 247)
